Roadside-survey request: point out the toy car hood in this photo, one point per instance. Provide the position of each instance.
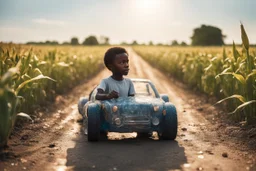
(133, 105)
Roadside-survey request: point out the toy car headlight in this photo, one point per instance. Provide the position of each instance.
(156, 108)
(155, 121)
(118, 121)
(164, 112)
(114, 108)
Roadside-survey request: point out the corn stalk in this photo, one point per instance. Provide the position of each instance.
(222, 72)
(10, 100)
(21, 68)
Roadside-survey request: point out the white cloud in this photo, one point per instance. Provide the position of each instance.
(44, 21)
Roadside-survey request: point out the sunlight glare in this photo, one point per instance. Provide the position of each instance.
(146, 4)
(148, 8)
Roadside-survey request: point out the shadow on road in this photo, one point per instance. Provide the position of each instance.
(126, 154)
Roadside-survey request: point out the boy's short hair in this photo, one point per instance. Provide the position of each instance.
(111, 54)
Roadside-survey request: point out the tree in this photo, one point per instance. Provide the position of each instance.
(48, 42)
(104, 40)
(183, 44)
(91, 40)
(175, 43)
(66, 43)
(134, 42)
(150, 43)
(74, 41)
(124, 43)
(207, 36)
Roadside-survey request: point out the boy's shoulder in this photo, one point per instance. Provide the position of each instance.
(125, 78)
(128, 80)
(106, 79)
(111, 79)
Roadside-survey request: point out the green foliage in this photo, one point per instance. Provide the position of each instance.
(150, 43)
(9, 97)
(29, 78)
(74, 41)
(47, 42)
(229, 75)
(134, 42)
(174, 43)
(207, 36)
(104, 40)
(91, 40)
(183, 44)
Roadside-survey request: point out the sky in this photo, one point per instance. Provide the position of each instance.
(160, 21)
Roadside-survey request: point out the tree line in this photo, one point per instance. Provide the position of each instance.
(90, 40)
(205, 35)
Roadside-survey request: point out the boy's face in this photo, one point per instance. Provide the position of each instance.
(120, 65)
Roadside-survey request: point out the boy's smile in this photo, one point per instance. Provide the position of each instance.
(120, 65)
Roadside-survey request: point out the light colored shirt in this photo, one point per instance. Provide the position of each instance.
(124, 87)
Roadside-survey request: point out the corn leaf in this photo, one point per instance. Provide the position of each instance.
(225, 70)
(240, 78)
(39, 77)
(207, 68)
(63, 64)
(235, 52)
(42, 63)
(38, 71)
(214, 59)
(237, 96)
(25, 115)
(251, 74)
(240, 66)
(8, 75)
(224, 55)
(244, 37)
(243, 105)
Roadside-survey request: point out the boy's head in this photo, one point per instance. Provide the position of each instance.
(112, 54)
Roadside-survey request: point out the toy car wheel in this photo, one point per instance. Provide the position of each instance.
(93, 125)
(170, 123)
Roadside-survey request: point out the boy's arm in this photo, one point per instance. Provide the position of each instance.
(131, 89)
(102, 96)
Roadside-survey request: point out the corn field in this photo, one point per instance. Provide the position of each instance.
(229, 73)
(30, 77)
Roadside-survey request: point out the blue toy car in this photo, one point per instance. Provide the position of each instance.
(144, 113)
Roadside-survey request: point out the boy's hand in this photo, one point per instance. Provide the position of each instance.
(112, 94)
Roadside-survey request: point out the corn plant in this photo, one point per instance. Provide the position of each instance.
(20, 68)
(222, 72)
(10, 100)
(244, 73)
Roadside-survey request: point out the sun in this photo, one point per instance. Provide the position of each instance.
(146, 4)
(147, 7)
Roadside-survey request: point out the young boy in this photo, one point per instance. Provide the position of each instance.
(117, 61)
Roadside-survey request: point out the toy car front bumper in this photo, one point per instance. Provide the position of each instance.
(133, 124)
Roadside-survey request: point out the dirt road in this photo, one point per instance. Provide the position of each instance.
(58, 142)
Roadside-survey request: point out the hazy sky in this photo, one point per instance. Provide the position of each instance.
(123, 20)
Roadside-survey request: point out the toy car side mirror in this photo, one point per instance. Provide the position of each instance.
(164, 97)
